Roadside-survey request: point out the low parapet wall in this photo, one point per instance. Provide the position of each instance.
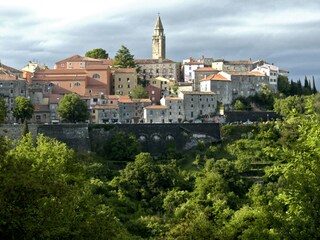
(153, 137)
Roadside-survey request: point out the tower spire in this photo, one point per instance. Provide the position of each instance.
(158, 40)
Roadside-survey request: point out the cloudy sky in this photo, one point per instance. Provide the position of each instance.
(283, 32)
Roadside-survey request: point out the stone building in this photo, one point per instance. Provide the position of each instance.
(124, 81)
(131, 110)
(198, 104)
(200, 74)
(105, 113)
(235, 66)
(272, 72)
(228, 86)
(155, 114)
(153, 68)
(155, 94)
(175, 110)
(11, 86)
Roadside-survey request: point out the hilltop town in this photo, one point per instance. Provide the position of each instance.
(193, 90)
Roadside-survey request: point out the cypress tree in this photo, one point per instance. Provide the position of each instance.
(299, 88)
(314, 88)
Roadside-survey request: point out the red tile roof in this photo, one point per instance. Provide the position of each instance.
(206, 69)
(215, 77)
(156, 107)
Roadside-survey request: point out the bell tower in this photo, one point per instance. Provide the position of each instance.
(158, 41)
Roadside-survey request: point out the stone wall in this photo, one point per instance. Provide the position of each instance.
(153, 137)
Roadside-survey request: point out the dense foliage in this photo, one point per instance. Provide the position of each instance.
(3, 110)
(23, 108)
(140, 92)
(73, 109)
(97, 53)
(124, 59)
(261, 182)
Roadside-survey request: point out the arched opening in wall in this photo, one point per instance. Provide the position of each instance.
(169, 138)
(156, 137)
(142, 138)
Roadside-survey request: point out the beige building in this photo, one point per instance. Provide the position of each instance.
(105, 113)
(124, 81)
(155, 114)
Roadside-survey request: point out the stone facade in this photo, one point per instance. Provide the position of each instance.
(175, 108)
(153, 68)
(155, 114)
(198, 104)
(124, 81)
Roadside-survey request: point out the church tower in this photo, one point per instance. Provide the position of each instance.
(158, 41)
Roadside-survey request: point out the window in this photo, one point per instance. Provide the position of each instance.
(128, 85)
(191, 114)
(95, 100)
(62, 65)
(96, 75)
(169, 113)
(120, 86)
(11, 90)
(151, 112)
(0, 84)
(77, 84)
(90, 91)
(152, 92)
(21, 91)
(128, 79)
(119, 79)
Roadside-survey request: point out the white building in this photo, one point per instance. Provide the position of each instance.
(271, 71)
(189, 66)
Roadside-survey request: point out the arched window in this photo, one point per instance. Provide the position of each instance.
(96, 75)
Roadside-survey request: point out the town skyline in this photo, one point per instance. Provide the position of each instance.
(284, 33)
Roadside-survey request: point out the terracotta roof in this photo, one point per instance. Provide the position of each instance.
(125, 70)
(246, 73)
(198, 93)
(125, 100)
(11, 69)
(60, 71)
(145, 100)
(60, 78)
(206, 69)
(105, 106)
(6, 76)
(41, 108)
(153, 61)
(173, 98)
(76, 58)
(215, 77)
(156, 107)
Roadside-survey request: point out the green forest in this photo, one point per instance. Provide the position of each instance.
(262, 181)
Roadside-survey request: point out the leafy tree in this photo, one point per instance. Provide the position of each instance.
(283, 85)
(121, 147)
(140, 92)
(124, 59)
(73, 109)
(3, 110)
(44, 194)
(23, 108)
(292, 103)
(97, 53)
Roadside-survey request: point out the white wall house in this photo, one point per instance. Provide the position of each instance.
(175, 108)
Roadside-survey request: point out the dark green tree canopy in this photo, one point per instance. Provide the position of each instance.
(140, 92)
(97, 53)
(73, 109)
(124, 59)
(23, 109)
(3, 110)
